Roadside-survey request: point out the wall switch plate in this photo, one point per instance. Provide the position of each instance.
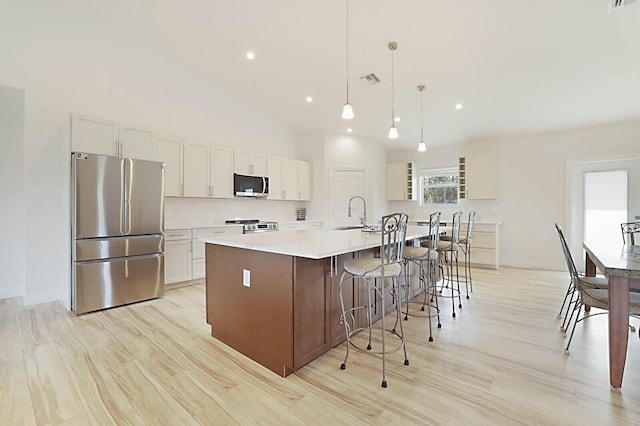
(246, 278)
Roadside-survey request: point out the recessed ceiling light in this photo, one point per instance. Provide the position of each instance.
(349, 130)
(251, 56)
(309, 99)
(458, 106)
(396, 119)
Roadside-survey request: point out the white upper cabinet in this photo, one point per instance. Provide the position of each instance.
(136, 143)
(170, 151)
(98, 136)
(249, 163)
(197, 171)
(94, 135)
(481, 179)
(274, 172)
(208, 171)
(304, 181)
(399, 182)
(290, 179)
(221, 172)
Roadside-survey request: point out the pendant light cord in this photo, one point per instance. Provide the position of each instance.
(421, 118)
(393, 103)
(347, 20)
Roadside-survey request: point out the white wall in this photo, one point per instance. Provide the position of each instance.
(12, 207)
(532, 186)
(331, 150)
(69, 57)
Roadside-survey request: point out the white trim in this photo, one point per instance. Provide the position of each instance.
(9, 292)
(42, 297)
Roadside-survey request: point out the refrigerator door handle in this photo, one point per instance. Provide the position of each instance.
(127, 193)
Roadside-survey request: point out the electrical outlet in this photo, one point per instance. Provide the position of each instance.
(246, 278)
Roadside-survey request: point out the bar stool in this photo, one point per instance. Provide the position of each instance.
(374, 272)
(426, 279)
(448, 251)
(465, 246)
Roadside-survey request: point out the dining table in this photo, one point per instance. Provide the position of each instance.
(620, 264)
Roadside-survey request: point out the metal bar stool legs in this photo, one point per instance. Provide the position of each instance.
(376, 272)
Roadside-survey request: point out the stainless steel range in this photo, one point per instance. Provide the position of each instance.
(250, 226)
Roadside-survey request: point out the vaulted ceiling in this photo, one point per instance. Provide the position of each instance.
(516, 66)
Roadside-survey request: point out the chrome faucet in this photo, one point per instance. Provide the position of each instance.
(363, 220)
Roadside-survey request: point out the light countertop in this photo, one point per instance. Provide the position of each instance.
(170, 225)
(313, 244)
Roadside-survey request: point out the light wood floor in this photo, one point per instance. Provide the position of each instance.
(500, 361)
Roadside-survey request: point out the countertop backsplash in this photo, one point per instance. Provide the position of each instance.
(204, 212)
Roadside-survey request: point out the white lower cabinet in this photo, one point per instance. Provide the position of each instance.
(484, 244)
(177, 256)
(197, 244)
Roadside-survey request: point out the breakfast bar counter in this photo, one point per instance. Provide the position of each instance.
(273, 296)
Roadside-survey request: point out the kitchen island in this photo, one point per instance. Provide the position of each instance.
(273, 296)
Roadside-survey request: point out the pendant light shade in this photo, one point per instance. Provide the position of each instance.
(393, 131)
(347, 110)
(422, 147)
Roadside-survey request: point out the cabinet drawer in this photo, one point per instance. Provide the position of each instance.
(481, 240)
(177, 234)
(292, 226)
(483, 227)
(315, 225)
(205, 233)
(199, 234)
(483, 256)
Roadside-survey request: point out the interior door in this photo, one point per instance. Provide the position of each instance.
(347, 183)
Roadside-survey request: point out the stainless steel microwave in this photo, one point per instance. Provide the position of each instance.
(250, 186)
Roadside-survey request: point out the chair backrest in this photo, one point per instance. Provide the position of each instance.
(455, 227)
(629, 229)
(472, 221)
(394, 232)
(431, 243)
(571, 266)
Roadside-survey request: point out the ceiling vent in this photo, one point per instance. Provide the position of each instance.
(617, 4)
(370, 79)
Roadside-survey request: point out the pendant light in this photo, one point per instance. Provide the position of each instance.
(421, 146)
(347, 110)
(393, 131)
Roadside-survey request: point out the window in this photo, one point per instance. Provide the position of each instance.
(439, 186)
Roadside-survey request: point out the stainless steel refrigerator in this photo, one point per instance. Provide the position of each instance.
(117, 207)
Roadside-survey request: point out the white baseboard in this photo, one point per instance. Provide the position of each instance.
(9, 292)
(42, 297)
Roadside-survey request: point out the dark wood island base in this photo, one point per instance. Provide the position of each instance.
(282, 320)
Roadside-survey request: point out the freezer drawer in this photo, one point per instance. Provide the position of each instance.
(106, 248)
(109, 283)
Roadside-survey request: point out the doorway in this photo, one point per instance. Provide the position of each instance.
(588, 196)
(605, 206)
